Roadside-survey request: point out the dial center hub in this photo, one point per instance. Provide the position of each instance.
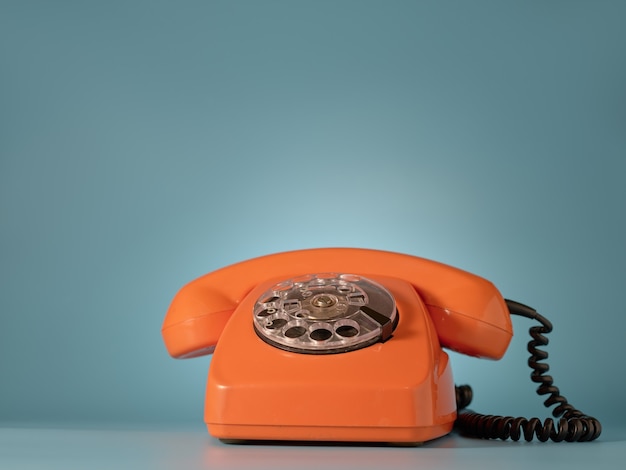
(324, 300)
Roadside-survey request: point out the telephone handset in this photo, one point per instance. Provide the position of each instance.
(345, 344)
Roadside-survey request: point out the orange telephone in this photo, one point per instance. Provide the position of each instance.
(344, 344)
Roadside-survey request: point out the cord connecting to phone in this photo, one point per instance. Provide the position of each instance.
(573, 425)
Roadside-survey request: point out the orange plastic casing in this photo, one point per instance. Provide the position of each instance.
(399, 391)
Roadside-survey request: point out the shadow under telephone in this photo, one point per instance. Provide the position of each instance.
(345, 344)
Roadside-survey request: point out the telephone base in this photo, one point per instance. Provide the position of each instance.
(394, 436)
(399, 391)
(244, 442)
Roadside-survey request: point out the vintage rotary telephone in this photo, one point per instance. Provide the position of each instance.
(345, 344)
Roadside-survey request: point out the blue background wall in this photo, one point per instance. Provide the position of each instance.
(143, 144)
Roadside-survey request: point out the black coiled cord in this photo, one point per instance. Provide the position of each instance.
(572, 425)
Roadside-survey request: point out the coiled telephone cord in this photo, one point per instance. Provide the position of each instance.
(572, 425)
